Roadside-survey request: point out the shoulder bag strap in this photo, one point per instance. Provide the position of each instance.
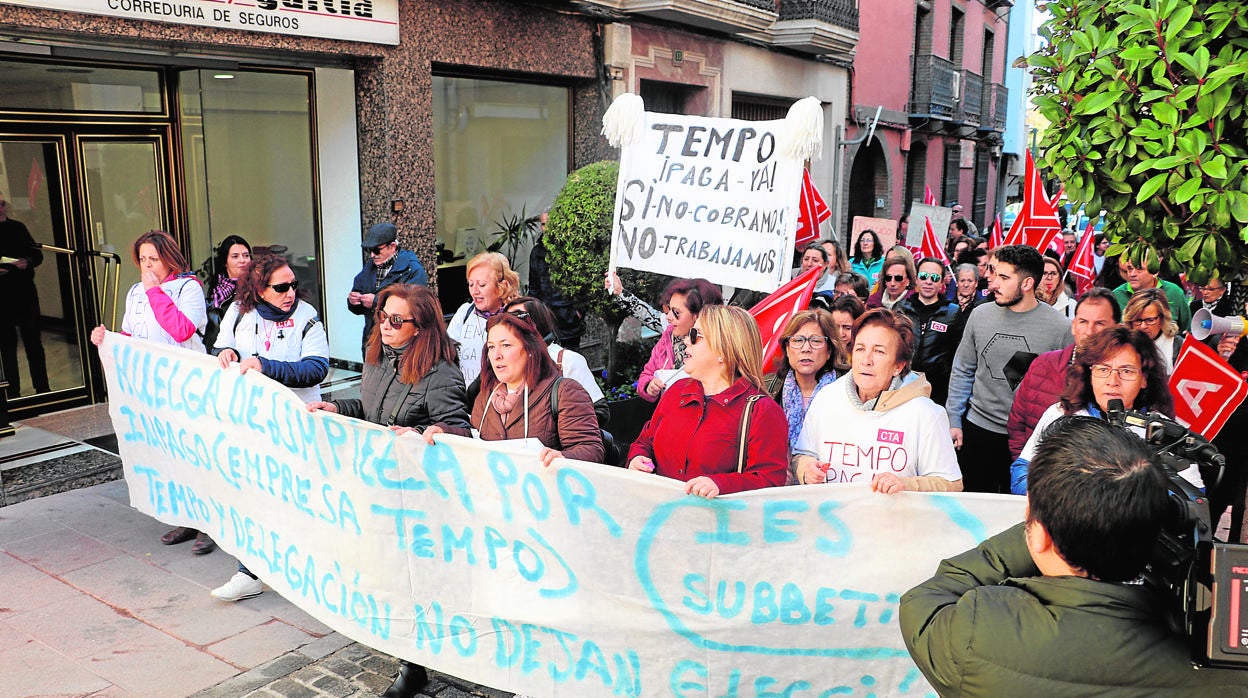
(554, 409)
(745, 430)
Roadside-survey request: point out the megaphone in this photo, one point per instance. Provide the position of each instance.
(1206, 324)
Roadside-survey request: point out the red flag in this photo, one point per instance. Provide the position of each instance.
(34, 181)
(1206, 389)
(928, 197)
(1037, 223)
(812, 210)
(931, 244)
(774, 311)
(995, 240)
(1082, 265)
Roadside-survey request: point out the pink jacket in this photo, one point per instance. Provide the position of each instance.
(661, 357)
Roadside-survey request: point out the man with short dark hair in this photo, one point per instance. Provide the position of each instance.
(935, 325)
(1051, 607)
(1140, 278)
(1011, 331)
(1046, 377)
(388, 264)
(19, 304)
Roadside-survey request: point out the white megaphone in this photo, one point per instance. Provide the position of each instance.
(1206, 324)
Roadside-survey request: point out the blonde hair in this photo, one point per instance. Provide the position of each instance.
(1141, 300)
(733, 334)
(508, 281)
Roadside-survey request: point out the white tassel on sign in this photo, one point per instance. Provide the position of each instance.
(803, 130)
(625, 120)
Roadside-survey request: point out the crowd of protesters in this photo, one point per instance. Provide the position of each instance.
(961, 365)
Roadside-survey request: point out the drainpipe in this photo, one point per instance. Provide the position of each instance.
(836, 161)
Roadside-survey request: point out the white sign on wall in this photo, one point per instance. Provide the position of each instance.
(575, 580)
(372, 21)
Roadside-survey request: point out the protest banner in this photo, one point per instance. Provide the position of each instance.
(940, 217)
(710, 198)
(885, 229)
(574, 580)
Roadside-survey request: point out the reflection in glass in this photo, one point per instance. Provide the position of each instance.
(39, 342)
(125, 197)
(42, 87)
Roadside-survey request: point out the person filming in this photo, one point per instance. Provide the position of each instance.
(1054, 606)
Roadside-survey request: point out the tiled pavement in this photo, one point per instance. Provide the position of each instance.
(92, 605)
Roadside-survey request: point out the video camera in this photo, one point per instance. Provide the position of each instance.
(1207, 580)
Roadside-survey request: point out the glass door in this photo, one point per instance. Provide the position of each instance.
(42, 329)
(123, 185)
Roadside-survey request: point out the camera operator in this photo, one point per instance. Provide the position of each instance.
(1052, 606)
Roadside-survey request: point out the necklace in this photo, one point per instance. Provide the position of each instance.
(269, 326)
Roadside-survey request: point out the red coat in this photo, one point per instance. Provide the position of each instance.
(691, 435)
(1041, 387)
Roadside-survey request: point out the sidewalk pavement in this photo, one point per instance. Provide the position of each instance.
(91, 604)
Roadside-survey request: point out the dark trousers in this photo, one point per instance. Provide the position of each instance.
(984, 459)
(21, 314)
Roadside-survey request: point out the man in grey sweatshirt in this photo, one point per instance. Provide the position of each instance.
(980, 395)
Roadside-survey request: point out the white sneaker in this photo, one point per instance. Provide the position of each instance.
(240, 586)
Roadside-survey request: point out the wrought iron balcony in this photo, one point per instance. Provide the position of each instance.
(729, 16)
(972, 98)
(934, 92)
(996, 107)
(839, 13)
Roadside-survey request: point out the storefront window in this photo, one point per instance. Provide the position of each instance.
(76, 88)
(499, 148)
(247, 152)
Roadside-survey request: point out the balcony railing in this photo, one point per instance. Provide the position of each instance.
(972, 98)
(840, 13)
(1000, 106)
(934, 91)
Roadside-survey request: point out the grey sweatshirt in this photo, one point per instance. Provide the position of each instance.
(993, 335)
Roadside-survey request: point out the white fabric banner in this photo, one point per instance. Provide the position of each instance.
(701, 197)
(373, 21)
(574, 580)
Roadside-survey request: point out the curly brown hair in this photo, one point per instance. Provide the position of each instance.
(256, 279)
(1155, 395)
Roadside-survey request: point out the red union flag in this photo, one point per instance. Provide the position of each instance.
(1082, 266)
(1206, 389)
(1037, 223)
(931, 244)
(995, 239)
(811, 211)
(774, 311)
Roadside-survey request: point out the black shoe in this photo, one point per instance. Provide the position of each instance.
(203, 544)
(412, 678)
(181, 534)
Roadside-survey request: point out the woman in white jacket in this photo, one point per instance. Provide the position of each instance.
(877, 425)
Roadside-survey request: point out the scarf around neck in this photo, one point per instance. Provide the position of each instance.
(794, 406)
(271, 312)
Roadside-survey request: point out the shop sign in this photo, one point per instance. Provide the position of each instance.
(373, 21)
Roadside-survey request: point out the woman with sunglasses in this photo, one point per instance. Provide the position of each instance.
(718, 430)
(409, 380)
(270, 330)
(814, 357)
(877, 425)
(1114, 364)
(682, 301)
(896, 283)
(491, 283)
(1149, 312)
(167, 307)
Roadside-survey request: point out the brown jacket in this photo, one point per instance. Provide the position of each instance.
(578, 435)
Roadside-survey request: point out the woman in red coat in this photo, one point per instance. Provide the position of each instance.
(695, 432)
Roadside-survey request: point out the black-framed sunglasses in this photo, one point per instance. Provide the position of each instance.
(895, 277)
(286, 286)
(376, 250)
(394, 321)
(694, 335)
(522, 314)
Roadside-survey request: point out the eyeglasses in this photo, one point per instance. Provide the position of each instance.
(694, 335)
(930, 276)
(1144, 321)
(374, 251)
(284, 287)
(1050, 275)
(801, 341)
(1127, 374)
(895, 277)
(395, 321)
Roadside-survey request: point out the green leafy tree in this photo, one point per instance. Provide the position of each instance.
(578, 238)
(1146, 104)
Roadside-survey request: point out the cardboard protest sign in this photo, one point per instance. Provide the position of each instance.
(574, 580)
(940, 217)
(707, 197)
(885, 229)
(1206, 390)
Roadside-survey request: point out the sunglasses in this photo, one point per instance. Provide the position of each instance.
(395, 321)
(284, 287)
(376, 250)
(694, 335)
(522, 314)
(927, 276)
(896, 277)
